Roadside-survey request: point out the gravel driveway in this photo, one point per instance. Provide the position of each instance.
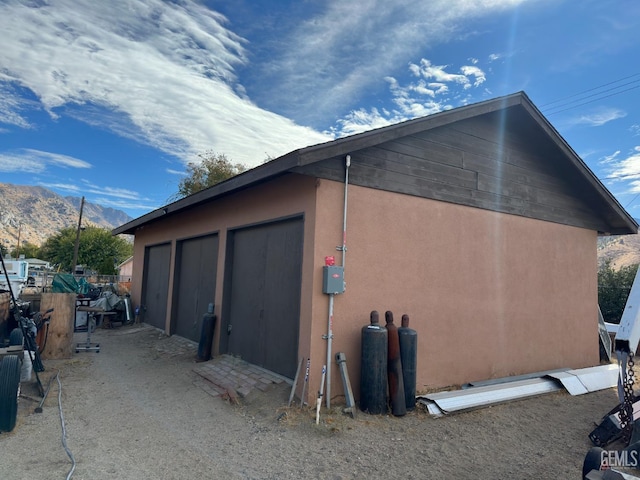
(134, 411)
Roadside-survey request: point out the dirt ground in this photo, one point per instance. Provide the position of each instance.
(134, 412)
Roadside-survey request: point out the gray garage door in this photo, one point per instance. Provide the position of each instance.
(263, 295)
(155, 284)
(195, 284)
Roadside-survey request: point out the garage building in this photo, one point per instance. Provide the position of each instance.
(480, 223)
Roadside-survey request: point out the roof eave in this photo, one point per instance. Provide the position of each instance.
(260, 173)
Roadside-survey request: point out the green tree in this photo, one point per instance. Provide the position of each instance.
(212, 168)
(3, 250)
(98, 250)
(613, 289)
(29, 250)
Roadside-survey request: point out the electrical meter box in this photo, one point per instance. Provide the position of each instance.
(332, 279)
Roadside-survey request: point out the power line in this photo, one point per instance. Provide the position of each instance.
(590, 89)
(594, 100)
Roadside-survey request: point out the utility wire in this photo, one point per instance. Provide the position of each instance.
(594, 100)
(590, 90)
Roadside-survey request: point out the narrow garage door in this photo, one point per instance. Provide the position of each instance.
(155, 287)
(196, 268)
(264, 295)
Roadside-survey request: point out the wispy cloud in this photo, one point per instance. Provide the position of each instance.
(36, 161)
(599, 117)
(626, 169)
(433, 91)
(607, 159)
(345, 50)
(635, 129)
(176, 172)
(11, 106)
(113, 197)
(176, 59)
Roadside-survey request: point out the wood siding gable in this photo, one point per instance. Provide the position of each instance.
(501, 161)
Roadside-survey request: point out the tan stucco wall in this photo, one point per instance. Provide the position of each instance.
(489, 294)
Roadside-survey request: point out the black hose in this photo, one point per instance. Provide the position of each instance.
(46, 335)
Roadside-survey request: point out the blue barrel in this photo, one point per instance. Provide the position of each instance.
(206, 335)
(373, 367)
(408, 354)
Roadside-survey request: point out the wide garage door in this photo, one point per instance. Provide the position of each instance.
(265, 269)
(155, 288)
(196, 268)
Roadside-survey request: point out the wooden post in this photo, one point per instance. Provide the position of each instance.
(60, 339)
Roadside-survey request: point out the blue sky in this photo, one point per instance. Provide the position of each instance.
(111, 99)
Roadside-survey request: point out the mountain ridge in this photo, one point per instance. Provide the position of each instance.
(34, 213)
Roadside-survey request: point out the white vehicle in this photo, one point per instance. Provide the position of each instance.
(17, 273)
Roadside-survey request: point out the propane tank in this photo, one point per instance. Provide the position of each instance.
(408, 355)
(206, 335)
(394, 369)
(373, 367)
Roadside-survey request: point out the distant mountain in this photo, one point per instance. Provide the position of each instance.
(36, 213)
(100, 215)
(622, 250)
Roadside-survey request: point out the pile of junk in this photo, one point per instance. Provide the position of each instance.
(24, 331)
(104, 298)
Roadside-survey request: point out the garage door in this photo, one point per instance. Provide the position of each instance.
(155, 287)
(196, 268)
(264, 295)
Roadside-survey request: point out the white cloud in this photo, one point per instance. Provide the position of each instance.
(608, 158)
(162, 73)
(10, 107)
(635, 129)
(176, 172)
(143, 205)
(495, 56)
(627, 169)
(599, 117)
(416, 99)
(327, 54)
(439, 74)
(361, 120)
(479, 75)
(28, 160)
(114, 197)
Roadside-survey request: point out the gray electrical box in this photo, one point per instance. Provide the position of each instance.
(332, 279)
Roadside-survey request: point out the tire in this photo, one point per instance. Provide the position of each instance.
(592, 461)
(16, 337)
(9, 391)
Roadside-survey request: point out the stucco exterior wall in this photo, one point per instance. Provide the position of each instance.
(489, 294)
(291, 195)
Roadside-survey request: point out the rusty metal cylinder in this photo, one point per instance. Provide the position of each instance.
(408, 356)
(394, 369)
(373, 367)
